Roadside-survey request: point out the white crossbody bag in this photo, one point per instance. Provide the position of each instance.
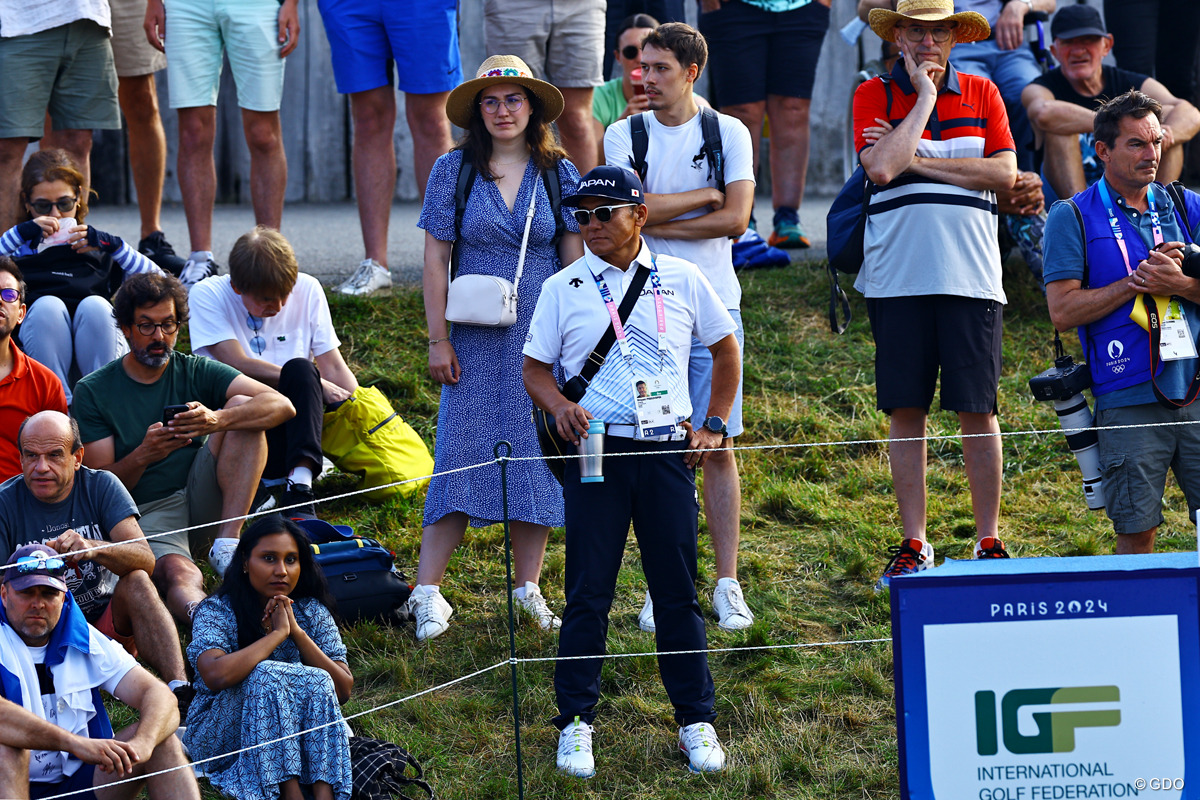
(488, 301)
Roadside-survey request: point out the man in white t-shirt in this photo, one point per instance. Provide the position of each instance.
(691, 219)
(56, 737)
(271, 322)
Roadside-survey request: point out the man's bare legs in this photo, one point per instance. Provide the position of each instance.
(181, 585)
(198, 172)
(1063, 164)
(147, 146)
(908, 469)
(374, 159)
(723, 508)
(789, 149)
(12, 155)
(268, 165)
(138, 611)
(983, 458)
(78, 144)
(576, 128)
(178, 784)
(240, 457)
(426, 114)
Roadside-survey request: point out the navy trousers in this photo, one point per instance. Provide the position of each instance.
(657, 493)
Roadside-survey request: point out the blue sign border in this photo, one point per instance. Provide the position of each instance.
(929, 599)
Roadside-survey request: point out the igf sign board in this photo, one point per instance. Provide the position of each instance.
(1049, 679)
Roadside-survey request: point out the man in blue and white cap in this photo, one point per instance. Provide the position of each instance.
(56, 737)
(653, 485)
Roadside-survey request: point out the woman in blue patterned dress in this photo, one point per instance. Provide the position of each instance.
(507, 114)
(269, 662)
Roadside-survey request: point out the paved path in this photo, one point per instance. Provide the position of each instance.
(328, 240)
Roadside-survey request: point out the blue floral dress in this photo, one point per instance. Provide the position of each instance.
(279, 697)
(489, 403)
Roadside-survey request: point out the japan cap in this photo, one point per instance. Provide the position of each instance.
(610, 183)
(35, 565)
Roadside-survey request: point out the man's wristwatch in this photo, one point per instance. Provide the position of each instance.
(1028, 3)
(716, 425)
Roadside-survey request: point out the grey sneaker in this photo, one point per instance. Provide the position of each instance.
(221, 554)
(430, 610)
(731, 607)
(195, 271)
(369, 278)
(575, 750)
(534, 605)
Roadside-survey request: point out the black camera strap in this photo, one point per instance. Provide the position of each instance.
(595, 360)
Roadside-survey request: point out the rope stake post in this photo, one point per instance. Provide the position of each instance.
(503, 452)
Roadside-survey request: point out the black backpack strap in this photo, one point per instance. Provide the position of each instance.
(462, 190)
(1175, 191)
(710, 126)
(550, 177)
(640, 139)
(600, 352)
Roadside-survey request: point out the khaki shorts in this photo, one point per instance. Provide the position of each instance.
(198, 503)
(67, 71)
(562, 41)
(132, 51)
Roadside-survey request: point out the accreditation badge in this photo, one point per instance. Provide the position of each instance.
(1176, 336)
(654, 415)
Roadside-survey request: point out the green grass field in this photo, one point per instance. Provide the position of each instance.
(816, 521)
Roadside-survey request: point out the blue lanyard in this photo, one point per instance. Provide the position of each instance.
(1114, 223)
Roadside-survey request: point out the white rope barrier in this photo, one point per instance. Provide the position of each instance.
(740, 448)
(462, 679)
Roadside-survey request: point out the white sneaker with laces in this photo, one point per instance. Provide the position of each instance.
(575, 750)
(534, 604)
(731, 607)
(430, 610)
(221, 554)
(196, 270)
(369, 278)
(646, 616)
(699, 742)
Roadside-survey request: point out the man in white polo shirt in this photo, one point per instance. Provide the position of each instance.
(655, 488)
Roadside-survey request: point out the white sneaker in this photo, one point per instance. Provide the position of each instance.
(646, 617)
(221, 554)
(575, 750)
(704, 752)
(731, 607)
(431, 611)
(369, 278)
(535, 606)
(196, 270)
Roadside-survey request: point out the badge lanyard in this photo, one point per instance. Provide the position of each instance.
(1114, 223)
(659, 313)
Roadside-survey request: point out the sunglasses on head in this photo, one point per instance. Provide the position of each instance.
(603, 213)
(43, 207)
(27, 565)
(10, 295)
(631, 51)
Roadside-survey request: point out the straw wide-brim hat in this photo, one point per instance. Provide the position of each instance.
(972, 27)
(501, 69)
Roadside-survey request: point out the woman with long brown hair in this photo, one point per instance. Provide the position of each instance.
(512, 147)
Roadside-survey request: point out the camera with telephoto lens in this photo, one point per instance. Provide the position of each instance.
(1063, 384)
(1191, 260)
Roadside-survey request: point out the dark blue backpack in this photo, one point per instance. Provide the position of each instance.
(361, 573)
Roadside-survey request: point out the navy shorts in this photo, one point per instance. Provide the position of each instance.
(81, 782)
(918, 337)
(753, 52)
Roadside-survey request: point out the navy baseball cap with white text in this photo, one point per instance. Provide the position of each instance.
(610, 183)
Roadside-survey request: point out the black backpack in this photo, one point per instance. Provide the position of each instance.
(462, 190)
(361, 573)
(710, 126)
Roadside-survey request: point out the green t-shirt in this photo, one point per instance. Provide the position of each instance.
(110, 403)
(608, 101)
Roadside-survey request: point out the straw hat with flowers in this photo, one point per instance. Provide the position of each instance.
(501, 69)
(969, 26)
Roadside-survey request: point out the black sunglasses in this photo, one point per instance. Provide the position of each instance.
(63, 204)
(603, 213)
(630, 51)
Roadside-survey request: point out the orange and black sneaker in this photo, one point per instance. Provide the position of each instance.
(787, 234)
(913, 555)
(990, 547)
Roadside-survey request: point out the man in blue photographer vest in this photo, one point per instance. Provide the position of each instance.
(1116, 272)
